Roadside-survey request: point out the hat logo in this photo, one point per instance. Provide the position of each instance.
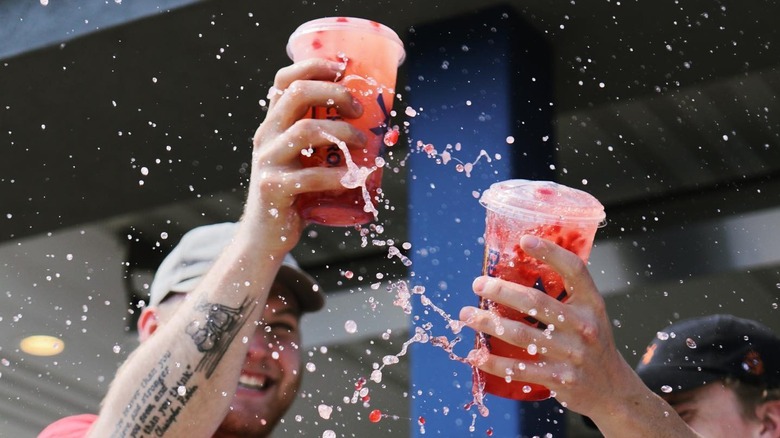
(753, 363)
(648, 356)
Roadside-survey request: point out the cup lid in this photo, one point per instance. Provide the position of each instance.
(543, 199)
(353, 24)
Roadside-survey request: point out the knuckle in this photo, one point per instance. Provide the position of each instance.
(578, 268)
(517, 336)
(575, 357)
(589, 332)
(536, 300)
(569, 377)
(305, 125)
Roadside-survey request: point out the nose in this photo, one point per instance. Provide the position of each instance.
(260, 346)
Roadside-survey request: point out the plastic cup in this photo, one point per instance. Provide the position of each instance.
(568, 217)
(372, 53)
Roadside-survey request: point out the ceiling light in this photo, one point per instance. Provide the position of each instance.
(42, 345)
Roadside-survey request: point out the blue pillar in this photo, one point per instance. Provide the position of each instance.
(482, 81)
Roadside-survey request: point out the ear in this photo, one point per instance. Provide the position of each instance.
(148, 322)
(769, 416)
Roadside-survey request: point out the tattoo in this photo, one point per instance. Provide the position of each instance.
(214, 336)
(159, 399)
(155, 405)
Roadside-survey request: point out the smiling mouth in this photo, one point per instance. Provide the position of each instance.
(255, 383)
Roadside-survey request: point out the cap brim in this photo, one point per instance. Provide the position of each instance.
(304, 287)
(663, 380)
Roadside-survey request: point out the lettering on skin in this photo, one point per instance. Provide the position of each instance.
(159, 399)
(155, 406)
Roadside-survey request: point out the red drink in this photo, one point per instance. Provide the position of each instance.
(568, 217)
(372, 53)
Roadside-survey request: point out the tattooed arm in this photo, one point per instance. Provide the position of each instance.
(181, 380)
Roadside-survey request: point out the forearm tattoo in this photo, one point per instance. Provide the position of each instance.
(158, 400)
(214, 335)
(163, 393)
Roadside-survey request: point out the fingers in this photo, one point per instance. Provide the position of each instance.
(567, 264)
(309, 133)
(513, 332)
(301, 95)
(309, 179)
(311, 69)
(552, 375)
(306, 84)
(528, 300)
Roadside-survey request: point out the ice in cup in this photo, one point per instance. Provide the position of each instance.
(568, 217)
(372, 53)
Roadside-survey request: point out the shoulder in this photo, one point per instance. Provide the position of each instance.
(75, 426)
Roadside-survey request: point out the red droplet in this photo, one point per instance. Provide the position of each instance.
(421, 421)
(366, 398)
(375, 416)
(316, 44)
(391, 137)
(489, 432)
(360, 382)
(342, 20)
(375, 24)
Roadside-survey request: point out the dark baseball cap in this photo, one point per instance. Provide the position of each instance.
(697, 351)
(188, 262)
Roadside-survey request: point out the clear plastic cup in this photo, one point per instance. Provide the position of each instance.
(372, 53)
(568, 217)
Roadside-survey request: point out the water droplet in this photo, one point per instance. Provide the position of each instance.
(690, 343)
(181, 390)
(324, 411)
(666, 389)
(350, 326)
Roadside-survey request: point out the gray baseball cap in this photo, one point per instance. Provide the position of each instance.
(186, 264)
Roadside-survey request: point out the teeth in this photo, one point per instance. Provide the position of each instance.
(254, 382)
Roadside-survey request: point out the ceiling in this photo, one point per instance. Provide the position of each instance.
(124, 124)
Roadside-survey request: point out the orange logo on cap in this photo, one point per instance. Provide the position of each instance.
(648, 356)
(753, 363)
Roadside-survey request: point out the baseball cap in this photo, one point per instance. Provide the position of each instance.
(186, 264)
(697, 351)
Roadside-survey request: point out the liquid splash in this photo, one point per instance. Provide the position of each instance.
(445, 156)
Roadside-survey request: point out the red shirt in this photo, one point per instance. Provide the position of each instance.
(75, 426)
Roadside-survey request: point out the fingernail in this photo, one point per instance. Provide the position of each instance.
(337, 66)
(467, 313)
(530, 242)
(356, 104)
(479, 284)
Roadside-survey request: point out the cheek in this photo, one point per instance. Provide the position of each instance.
(718, 422)
(289, 357)
(293, 360)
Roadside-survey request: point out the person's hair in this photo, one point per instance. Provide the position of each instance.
(750, 396)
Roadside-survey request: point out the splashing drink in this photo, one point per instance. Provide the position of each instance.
(568, 217)
(372, 53)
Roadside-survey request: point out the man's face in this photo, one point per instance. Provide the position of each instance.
(271, 373)
(713, 411)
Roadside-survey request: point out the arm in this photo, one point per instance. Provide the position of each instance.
(581, 365)
(180, 381)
